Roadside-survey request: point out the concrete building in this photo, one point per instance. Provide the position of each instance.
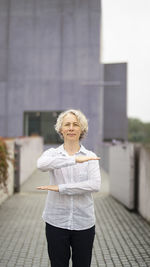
(49, 62)
(115, 102)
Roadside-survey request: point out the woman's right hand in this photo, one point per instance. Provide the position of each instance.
(81, 159)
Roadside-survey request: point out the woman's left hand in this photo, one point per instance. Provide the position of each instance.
(48, 187)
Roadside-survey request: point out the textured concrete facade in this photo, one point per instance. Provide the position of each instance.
(3, 61)
(50, 61)
(52, 54)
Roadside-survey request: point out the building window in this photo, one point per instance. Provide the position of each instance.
(42, 123)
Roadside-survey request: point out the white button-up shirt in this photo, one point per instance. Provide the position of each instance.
(72, 207)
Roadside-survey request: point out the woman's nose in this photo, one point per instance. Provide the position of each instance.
(71, 127)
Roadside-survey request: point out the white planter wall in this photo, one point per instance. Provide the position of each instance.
(144, 183)
(30, 149)
(121, 172)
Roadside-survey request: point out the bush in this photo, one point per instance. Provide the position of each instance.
(4, 157)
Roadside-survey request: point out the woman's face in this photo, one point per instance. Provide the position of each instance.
(71, 129)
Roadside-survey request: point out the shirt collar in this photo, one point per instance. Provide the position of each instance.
(82, 150)
(62, 151)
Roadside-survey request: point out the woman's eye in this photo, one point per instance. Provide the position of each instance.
(68, 124)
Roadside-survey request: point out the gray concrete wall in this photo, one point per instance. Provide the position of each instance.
(4, 13)
(4, 29)
(104, 153)
(2, 108)
(53, 54)
(115, 101)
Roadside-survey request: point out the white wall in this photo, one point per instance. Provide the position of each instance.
(31, 148)
(121, 172)
(144, 183)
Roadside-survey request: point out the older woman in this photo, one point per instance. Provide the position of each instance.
(69, 210)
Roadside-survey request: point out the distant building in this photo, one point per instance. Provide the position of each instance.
(49, 62)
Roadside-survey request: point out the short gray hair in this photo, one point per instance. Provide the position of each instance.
(81, 118)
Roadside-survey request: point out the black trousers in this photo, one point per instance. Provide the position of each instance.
(61, 242)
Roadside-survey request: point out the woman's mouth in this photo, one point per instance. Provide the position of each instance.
(71, 134)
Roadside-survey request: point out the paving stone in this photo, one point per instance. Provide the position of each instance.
(122, 237)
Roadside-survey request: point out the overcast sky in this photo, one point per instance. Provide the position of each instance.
(126, 38)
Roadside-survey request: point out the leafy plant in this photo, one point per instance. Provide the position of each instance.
(4, 157)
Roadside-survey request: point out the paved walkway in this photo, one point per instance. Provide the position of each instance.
(122, 237)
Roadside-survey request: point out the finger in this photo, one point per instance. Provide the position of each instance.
(97, 158)
(39, 187)
(42, 187)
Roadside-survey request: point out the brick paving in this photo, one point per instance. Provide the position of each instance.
(122, 237)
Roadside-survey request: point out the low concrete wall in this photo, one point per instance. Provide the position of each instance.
(10, 181)
(121, 173)
(104, 154)
(30, 149)
(144, 183)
